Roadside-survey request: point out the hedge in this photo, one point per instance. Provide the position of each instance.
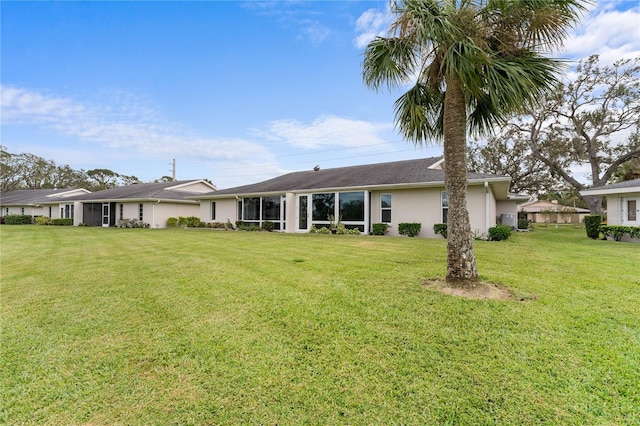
(409, 229)
(592, 225)
(618, 231)
(18, 219)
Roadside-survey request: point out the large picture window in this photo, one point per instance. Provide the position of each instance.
(251, 209)
(385, 208)
(271, 208)
(351, 206)
(323, 205)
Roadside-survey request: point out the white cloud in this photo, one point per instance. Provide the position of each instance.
(120, 126)
(370, 24)
(326, 131)
(607, 31)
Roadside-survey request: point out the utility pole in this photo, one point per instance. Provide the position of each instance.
(174, 169)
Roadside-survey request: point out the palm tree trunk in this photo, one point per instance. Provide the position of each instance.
(461, 260)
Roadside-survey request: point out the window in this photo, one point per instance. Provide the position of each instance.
(302, 212)
(351, 206)
(68, 211)
(385, 208)
(632, 207)
(251, 209)
(445, 207)
(140, 211)
(271, 208)
(323, 205)
(121, 211)
(213, 210)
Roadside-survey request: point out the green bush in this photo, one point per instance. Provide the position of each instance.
(499, 233)
(18, 219)
(268, 226)
(132, 223)
(523, 224)
(440, 229)
(618, 231)
(43, 220)
(62, 222)
(172, 222)
(379, 228)
(409, 229)
(592, 225)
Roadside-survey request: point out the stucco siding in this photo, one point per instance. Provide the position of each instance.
(156, 214)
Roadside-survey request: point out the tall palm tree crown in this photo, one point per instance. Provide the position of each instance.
(473, 63)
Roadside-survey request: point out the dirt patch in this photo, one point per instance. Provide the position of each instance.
(479, 290)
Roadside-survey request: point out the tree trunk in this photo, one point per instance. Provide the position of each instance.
(594, 202)
(461, 260)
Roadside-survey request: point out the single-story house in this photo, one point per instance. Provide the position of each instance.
(541, 211)
(52, 203)
(392, 193)
(623, 201)
(151, 203)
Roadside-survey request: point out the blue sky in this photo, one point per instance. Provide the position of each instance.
(236, 92)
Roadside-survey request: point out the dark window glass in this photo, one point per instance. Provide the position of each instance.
(351, 205)
(270, 208)
(385, 208)
(323, 205)
(632, 210)
(302, 214)
(445, 207)
(213, 210)
(251, 209)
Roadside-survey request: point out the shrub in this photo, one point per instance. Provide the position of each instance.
(131, 223)
(523, 224)
(268, 226)
(499, 233)
(440, 229)
(18, 219)
(172, 222)
(617, 231)
(379, 228)
(409, 229)
(62, 222)
(592, 225)
(43, 220)
(324, 230)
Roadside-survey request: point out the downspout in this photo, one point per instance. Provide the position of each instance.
(153, 213)
(487, 212)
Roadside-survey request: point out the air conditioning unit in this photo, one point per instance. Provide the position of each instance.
(509, 219)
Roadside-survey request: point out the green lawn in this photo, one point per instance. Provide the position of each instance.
(139, 326)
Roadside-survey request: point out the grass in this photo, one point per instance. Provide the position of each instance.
(137, 326)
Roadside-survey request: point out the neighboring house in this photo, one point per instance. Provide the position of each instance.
(402, 191)
(623, 202)
(53, 203)
(551, 212)
(151, 203)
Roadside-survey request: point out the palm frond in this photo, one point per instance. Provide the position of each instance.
(418, 114)
(389, 61)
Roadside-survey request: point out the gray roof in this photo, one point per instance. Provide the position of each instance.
(26, 197)
(394, 173)
(626, 184)
(140, 191)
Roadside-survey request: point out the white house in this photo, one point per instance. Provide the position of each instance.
(623, 201)
(392, 193)
(52, 203)
(152, 203)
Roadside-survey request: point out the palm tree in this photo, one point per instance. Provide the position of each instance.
(473, 63)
